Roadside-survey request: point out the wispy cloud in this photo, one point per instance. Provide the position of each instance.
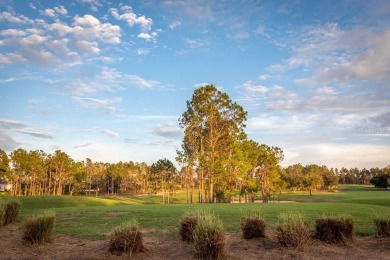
(82, 145)
(107, 105)
(131, 140)
(109, 133)
(131, 18)
(35, 133)
(9, 123)
(168, 131)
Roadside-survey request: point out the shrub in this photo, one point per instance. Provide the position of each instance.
(292, 230)
(382, 226)
(126, 238)
(209, 238)
(335, 229)
(9, 211)
(187, 227)
(252, 227)
(38, 229)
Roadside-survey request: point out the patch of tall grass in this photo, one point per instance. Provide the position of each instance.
(9, 210)
(252, 224)
(382, 226)
(209, 237)
(335, 229)
(126, 238)
(293, 230)
(38, 229)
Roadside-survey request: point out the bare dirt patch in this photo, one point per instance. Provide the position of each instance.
(62, 247)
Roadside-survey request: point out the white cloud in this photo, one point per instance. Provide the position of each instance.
(49, 12)
(61, 10)
(264, 76)
(60, 28)
(131, 18)
(84, 46)
(12, 33)
(198, 43)
(82, 145)
(252, 88)
(86, 21)
(13, 126)
(32, 40)
(145, 36)
(60, 45)
(140, 82)
(14, 18)
(35, 133)
(89, 28)
(373, 63)
(107, 105)
(11, 123)
(168, 131)
(198, 85)
(174, 24)
(10, 58)
(242, 35)
(92, 3)
(109, 133)
(353, 155)
(45, 43)
(282, 123)
(39, 56)
(142, 51)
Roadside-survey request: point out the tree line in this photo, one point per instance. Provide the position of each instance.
(217, 163)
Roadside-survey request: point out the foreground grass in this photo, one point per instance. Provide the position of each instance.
(94, 218)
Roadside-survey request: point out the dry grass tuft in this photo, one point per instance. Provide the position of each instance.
(382, 226)
(252, 227)
(335, 229)
(209, 238)
(9, 211)
(187, 227)
(293, 230)
(126, 238)
(38, 229)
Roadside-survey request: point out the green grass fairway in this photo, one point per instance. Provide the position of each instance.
(94, 218)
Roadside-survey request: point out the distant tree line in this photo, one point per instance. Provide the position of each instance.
(218, 164)
(37, 173)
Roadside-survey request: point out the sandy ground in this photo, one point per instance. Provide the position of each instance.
(62, 247)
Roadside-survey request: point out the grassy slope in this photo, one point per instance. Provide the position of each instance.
(94, 217)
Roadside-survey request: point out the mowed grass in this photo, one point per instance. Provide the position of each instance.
(94, 218)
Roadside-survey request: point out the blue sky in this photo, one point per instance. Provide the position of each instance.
(108, 80)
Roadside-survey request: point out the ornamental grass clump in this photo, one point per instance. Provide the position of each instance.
(209, 238)
(187, 227)
(252, 224)
(126, 238)
(38, 229)
(382, 226)
(335, 229)
(9, 210)
(293, 230)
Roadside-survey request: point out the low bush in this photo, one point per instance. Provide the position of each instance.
(335, 229)
(382, 226)
(209, 238)
(9, 211)
(252, 227)
(293, 230)
(126, 238)
(187, 227)
(38, 229)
